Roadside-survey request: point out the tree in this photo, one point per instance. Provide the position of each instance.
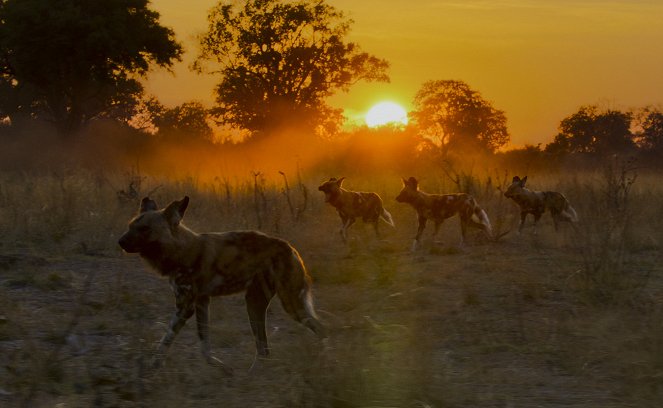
(69, 61)
(455, 117)
(650, 136)
(591, 130)
(279, 61)
(188, 120)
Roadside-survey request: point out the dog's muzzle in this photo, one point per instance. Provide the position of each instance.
(126, 244)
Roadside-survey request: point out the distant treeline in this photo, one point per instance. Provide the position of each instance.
(71, 91)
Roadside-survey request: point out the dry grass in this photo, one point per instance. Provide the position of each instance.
(532, 320)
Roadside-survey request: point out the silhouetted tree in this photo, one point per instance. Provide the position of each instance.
(279, 61)
(650, 137)
(591, 130)
(69, 61)
(455, 117)
(187, 121)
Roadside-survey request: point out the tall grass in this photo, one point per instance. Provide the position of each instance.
(609, 239)
(518, 322)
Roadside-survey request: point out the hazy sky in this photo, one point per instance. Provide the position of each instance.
(537, 60)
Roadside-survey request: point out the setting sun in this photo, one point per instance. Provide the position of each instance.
(386, 113)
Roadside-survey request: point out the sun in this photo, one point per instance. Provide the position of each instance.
(386, 113)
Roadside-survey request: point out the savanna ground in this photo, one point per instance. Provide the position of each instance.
(568, 319)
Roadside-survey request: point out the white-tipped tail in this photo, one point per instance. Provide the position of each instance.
(481, 217)
(307, 300)
(570, 213)
(387, 217)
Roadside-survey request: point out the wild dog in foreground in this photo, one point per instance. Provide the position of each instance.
(537, 202)
(353, 204)
(439, 207)
(200, 266)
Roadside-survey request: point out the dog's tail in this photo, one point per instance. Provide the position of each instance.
(480, 216)
(570, 213)
(558, 203)
(386, 216)
(293, 286)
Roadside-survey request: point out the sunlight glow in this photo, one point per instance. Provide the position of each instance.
(386, 113)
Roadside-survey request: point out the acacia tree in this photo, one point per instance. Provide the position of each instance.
(279, 61)
(68, 61)
(591, 130)
(454, 117)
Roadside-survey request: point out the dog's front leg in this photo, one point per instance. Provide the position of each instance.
(537, 217)
(344, 219)
(420, 231)
(344, 229)
(463, 231)
(183, 313)
(523, 215)
(436, 229)
(202, 323)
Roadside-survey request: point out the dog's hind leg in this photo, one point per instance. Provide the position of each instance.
(556, 219)
(436, 229)
(258, 295)
(376, 227)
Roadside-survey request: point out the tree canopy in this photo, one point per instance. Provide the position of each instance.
(596, 131)
(279, 61)
(455, 117)
(650, 136)
(185, 122)
(69, 61)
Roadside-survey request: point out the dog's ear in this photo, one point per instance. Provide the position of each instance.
(523, 181)
(340, 181)
(146, 204)
(412, 182)
(175, 210)
(516, 179)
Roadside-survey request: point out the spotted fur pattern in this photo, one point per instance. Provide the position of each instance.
(200, 266)
(351, 205)
(538, 202)
(439, 207)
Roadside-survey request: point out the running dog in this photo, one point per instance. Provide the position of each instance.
(537, 202)
(203, 265)
(439, 207)
(353, 204)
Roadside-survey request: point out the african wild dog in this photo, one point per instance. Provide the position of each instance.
(200, 266)
(537, 202)
(353, 204)
(439, 207)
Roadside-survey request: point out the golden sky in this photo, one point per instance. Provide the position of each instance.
(537, 60)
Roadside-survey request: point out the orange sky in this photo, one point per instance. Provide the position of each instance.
(537, 60)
